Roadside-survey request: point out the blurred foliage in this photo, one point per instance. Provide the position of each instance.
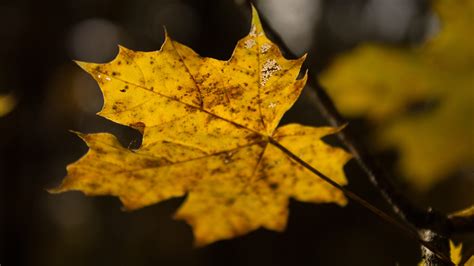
(468, 212)
(420, 98)
(7, 103)
(456, 252)
(470, 262)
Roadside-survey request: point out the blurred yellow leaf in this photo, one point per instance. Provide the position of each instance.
(382, 83)
(456, 252)
(375, 81)
(470, 261)
(7, 103)
(208, 131)
(468, 212)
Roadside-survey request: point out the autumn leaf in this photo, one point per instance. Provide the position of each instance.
(209, 131)
(383, 83)
(7, 104)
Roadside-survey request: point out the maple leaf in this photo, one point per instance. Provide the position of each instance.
(209, 131)
(382, 83)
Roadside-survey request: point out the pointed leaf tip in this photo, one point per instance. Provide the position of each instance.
(123, 49)
(54, 190)
(256, 28)
(79, 134)
(83, 65)
(166, 33)
(304, 56)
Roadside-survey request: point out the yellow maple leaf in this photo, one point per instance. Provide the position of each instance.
(209, 131)
(382, 83)
(7, 103)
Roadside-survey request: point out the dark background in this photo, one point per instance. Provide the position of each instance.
(39, 40)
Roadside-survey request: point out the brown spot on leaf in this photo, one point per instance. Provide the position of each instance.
(273, 186)
(235, 92)
(150, 163)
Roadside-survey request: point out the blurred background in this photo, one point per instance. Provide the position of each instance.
(47, 95)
